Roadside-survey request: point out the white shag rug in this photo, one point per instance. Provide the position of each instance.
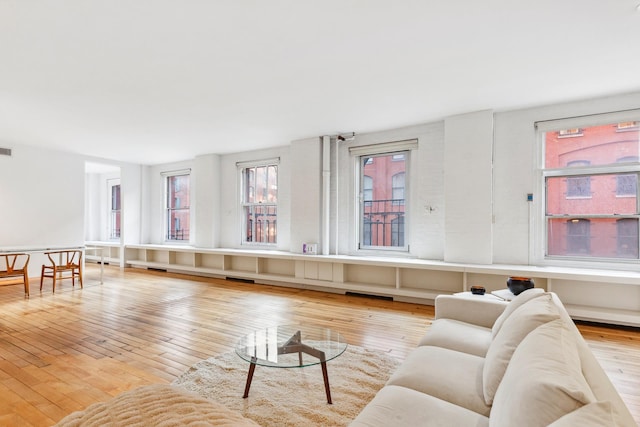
(293, 396)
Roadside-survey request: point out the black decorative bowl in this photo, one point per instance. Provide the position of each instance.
(517, 285)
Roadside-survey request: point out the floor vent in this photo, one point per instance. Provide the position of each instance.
(162, 270)
(238, 279)
(5, 151)
(357, 294)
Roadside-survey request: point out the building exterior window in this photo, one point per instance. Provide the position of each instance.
(260, 204)
(578, 236)
(114, 209)
(626, 185)
(397, 189)
(367, 190)
(568, 133)
(178, 213)
(578, 186)
(591, 193)
(627, 230)
(626, 126)
(382, 206)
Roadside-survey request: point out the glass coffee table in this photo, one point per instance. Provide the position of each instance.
(290, 347)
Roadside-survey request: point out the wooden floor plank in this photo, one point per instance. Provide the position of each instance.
(61, 352)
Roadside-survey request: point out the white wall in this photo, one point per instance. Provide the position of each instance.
(33, 213)
(42, 194)
(207, 192)
(306, 190)
(97, 205)
(468, 175)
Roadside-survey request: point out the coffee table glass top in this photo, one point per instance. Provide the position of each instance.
(291, 346)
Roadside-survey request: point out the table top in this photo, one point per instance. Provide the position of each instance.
(291, 346)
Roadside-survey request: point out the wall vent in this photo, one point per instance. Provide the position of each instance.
(5, 151)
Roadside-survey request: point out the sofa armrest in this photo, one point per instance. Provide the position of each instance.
(480, 311)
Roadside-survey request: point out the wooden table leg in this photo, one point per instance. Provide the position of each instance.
(252, 368)
(326, 381)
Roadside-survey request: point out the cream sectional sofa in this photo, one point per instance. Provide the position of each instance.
(485, 362)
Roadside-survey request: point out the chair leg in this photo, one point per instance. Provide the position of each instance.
(80, 277)
(55, 273)
(41, 278)
(26, 283)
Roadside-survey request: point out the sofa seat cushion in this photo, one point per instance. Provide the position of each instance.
(544, 380)
(399, 406)
(515, 328)
(449, 375)
(457, 335)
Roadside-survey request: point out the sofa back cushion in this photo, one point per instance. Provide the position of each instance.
(523, 320)
(518, 301)
(544, 380)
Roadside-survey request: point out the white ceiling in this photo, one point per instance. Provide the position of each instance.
(155, 81)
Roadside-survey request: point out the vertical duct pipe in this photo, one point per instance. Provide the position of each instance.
(326, 194)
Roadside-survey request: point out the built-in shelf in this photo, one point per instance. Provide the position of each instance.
(107, 252)
(595, 295)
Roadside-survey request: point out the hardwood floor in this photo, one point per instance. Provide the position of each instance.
(61, 352)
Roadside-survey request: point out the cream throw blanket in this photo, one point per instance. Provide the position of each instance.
(156, 405)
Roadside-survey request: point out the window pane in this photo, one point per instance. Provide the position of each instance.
(272, 180)
(250, 185)
(595, 237)
(567, 195)
(599, 145)
(178, 191)
(261, 185)
(115, 197)
(627, 230)
(383, 200)
(178, 204)
(114, 218)
(260, 195)
(261, 224)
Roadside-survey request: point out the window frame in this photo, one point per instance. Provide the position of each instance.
(540, 223)
(111, 184)
(247, 205)
(360, 156)
(167, 177)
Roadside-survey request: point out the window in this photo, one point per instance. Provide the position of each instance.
(578, 236)
(568, 133)
(114, 208)
(177, 206)
(578, 186)
(627, 230)
(626, 185)
(591, 192)
(626, 126)
(260, 203)
(382, 207)
(367, 190)
(397, 189)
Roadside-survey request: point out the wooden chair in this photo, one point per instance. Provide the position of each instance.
(14, 269)
(63, 262)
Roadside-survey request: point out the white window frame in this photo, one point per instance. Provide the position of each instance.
(244, 204)
(538, 228)
(384, 149)
(166, 218)
(113, 182)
